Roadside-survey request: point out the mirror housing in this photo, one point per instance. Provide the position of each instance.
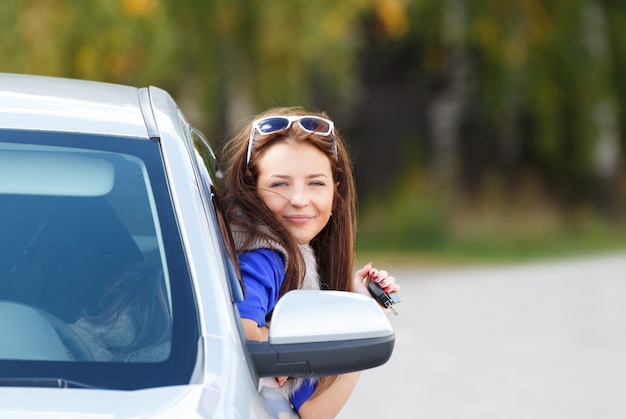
(318, 333)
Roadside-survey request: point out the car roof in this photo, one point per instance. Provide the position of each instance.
(45, 103)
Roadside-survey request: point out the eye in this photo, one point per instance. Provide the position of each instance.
(317, 183)
(279, 184)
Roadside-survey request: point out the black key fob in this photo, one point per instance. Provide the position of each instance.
(384, 299)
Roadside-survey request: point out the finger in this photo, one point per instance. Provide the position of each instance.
(385, 280)
(362, 273)
(390, 286)
(378, 276)
(388, 283)
(392, 289)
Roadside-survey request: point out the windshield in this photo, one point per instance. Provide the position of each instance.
(94, 287)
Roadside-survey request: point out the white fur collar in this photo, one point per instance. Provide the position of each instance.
(311, 279)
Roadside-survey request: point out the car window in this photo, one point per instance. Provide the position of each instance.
(92, 269)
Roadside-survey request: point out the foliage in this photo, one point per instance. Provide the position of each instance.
(465, 91)
(421, 229)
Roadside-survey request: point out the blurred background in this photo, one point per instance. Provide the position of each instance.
(481, 131)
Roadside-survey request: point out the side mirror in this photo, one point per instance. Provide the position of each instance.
(317, 333)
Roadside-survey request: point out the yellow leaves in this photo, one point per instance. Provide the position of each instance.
(87, 60)
(528, 16)
(487, 32)
(538, 20)
(512, 30)
(335, 24)
(516, 52)
(138, 8)
(226, 19)
(393, 17)
(102, 61)
(38, 25)
(337, 20)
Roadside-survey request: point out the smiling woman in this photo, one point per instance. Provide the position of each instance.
(291, 201)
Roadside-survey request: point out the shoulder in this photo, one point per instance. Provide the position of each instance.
(262, 272)
(265, 243)
(263, 258)
(262, 265)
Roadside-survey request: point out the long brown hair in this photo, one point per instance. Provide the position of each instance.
(333, 246)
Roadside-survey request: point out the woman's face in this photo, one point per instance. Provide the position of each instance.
(296, 183)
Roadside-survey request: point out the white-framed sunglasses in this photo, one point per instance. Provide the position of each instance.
(309, 123)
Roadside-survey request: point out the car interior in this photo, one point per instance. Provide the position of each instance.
(74, 225)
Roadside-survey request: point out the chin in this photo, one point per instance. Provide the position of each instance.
(300, 239)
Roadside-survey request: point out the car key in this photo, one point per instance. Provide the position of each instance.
(382, 297)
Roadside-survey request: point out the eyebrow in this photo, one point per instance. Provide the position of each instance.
(315, 175)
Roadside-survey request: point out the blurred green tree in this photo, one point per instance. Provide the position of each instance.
(463, 94)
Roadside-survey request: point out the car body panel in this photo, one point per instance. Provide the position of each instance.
(57, 104)
(181, 401)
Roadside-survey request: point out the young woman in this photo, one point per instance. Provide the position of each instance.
(291, 201)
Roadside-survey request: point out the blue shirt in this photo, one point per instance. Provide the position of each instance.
(263, 273)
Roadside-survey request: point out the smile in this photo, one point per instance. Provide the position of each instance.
(298, 219)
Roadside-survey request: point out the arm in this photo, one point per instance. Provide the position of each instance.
(328, 403)
(254, 331)
(262, 272)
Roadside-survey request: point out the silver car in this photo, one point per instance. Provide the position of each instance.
(118, 279)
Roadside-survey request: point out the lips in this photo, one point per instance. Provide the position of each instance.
(298, 219)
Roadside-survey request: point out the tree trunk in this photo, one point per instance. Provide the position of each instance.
(604, 116)
(447, 109)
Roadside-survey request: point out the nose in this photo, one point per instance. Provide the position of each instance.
(299, 199)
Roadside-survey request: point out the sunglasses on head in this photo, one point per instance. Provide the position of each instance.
(308, 123)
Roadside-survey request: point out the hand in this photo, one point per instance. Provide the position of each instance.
(381, 277)
(273, 382)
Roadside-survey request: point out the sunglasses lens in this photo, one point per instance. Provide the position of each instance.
(274, 124)
(318, 125)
